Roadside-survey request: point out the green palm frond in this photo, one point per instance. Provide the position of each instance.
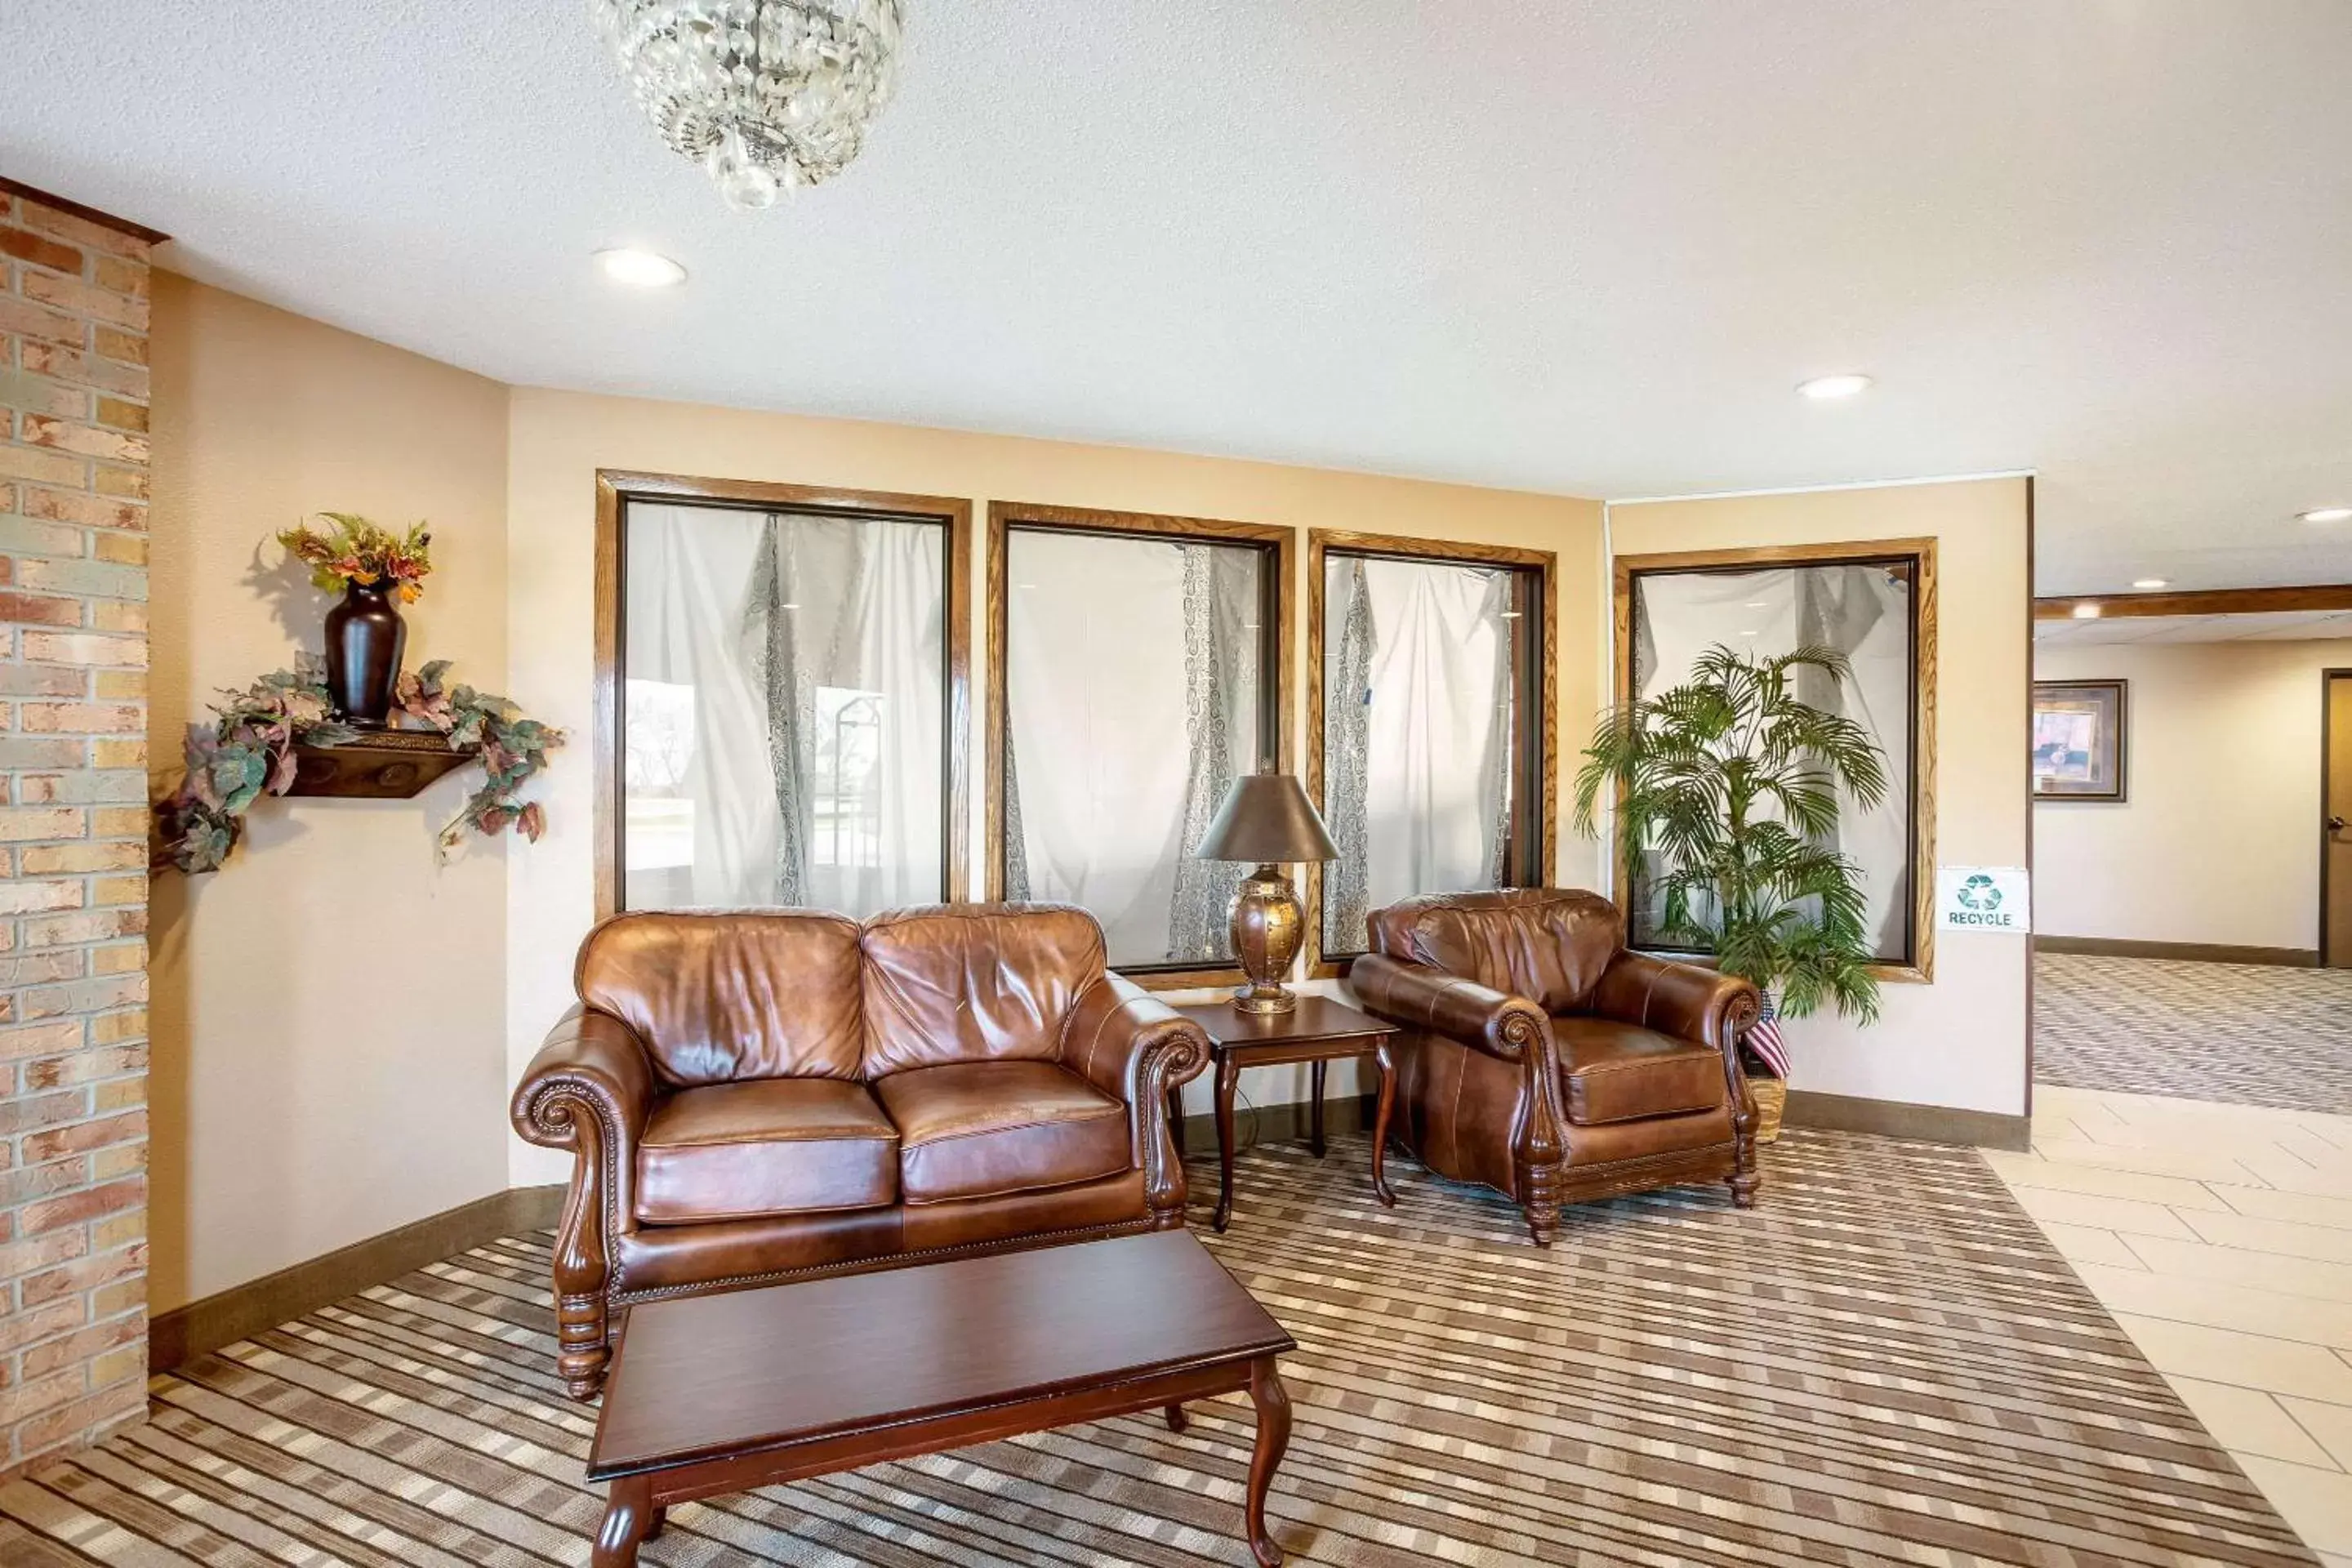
(1725, 790)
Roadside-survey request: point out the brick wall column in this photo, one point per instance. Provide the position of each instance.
(73, 825)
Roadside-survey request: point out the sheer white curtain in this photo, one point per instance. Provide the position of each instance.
(1862, 610)
(783, 702)
(1417, 705)
(1131, 699)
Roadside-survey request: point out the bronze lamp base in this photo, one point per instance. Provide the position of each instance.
(1268, 926)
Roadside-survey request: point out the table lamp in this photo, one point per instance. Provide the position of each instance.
(1266, 818)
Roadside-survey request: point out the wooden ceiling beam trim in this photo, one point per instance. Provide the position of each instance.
(2204, 601)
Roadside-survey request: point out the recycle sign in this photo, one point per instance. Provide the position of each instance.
(1980, 893)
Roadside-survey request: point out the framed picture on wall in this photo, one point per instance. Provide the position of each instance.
(2078, 740)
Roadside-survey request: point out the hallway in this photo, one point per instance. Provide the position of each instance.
(2192, 1158)
(2232, 1033)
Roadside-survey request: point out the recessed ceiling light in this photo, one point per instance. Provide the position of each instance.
(2151, 582)
(2087, 612)
(640, 269)
(1824, 388)
(2326, 515)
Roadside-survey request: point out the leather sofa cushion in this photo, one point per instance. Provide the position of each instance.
(723, 996)
(778, 1145)
(1546, 944)
(973, 983)
(1617, 1072)
(975, 1129)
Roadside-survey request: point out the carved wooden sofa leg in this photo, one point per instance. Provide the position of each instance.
(584, 1344)
(583, 1328)
(1746, 1180)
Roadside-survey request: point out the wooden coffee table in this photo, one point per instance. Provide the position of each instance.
(1318, 1030)
(723, 1394)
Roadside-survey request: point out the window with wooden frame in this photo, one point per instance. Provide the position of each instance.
(1430, 744)
(781, 695)
(1874, 602)
(1137, 666)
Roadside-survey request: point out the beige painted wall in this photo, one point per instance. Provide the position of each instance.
(1961, 1040)
(560, 440)
(330, 1054)
(2218, 838)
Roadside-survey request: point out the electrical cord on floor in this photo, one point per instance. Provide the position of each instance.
(1245, 1132)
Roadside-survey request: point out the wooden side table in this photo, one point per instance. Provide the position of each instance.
(1318, 1031)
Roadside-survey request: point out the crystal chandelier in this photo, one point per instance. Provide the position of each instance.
(767, 95)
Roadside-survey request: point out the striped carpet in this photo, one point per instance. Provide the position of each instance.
(1884, 1364)
(2238, 1033)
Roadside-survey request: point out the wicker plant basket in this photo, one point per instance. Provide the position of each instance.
(1771, 1099)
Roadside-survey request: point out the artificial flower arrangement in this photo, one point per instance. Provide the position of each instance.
(249, 753)
(353, 550)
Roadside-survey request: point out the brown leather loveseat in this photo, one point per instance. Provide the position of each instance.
(1543, 1059)
(758, 1095)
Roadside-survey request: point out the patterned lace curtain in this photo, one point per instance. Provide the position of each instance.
(1495, 785)
(1220, 682)
(1016, 836)
(1347, 742)
(770, 602)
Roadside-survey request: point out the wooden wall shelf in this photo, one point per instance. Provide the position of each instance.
(384, 765)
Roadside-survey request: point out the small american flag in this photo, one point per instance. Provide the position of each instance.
(1763, 1041)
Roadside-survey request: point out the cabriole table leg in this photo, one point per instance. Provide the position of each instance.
(1273, 1402)
(629, 1518)
(1380, 1126)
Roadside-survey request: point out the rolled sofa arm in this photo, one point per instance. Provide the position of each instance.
(1503, 1025)
(591, 1062)
(589, 1090)
(1131, 1044)
(1686, 1000)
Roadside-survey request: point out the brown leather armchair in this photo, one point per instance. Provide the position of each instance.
(759, 1096)
(1541, 1059)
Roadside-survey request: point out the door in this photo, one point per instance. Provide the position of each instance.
(2336, 871)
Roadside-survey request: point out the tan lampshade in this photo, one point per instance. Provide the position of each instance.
(1266, 819)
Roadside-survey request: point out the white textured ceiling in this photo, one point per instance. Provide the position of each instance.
(2268, 626)
(1580, 247)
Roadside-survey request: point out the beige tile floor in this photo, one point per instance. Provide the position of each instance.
(2220, 1237)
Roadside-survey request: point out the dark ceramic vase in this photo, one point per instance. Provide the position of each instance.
(365, 638)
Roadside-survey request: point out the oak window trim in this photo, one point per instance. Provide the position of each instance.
(1275, 648)
(615, 488)
(1921, 970)
(1544, 700)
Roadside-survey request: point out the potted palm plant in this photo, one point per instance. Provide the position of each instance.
(1731, 783)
